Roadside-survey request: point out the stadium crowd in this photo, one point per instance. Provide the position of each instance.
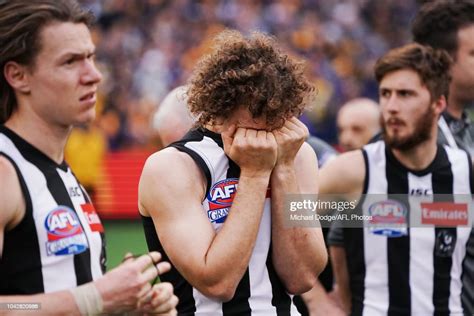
(230, 251)
(147, 48)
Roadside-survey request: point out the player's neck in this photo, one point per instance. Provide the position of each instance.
(49, 139)
(455, 106)
(419, 157)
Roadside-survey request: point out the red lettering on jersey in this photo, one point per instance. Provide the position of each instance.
(92, 217)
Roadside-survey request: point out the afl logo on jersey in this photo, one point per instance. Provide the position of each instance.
(389, 218)
(64, 232)
(220, 199)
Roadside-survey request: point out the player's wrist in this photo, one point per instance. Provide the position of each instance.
(255, 175)
(284, 168)
(88, 299)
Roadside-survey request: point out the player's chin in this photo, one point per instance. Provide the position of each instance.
(85, 118)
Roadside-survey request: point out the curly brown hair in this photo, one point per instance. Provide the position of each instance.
(249, 72)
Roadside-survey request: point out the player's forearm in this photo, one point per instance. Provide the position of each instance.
(341, 276)
(233, 245)
(300, 247)
(315, 297)
(57, 303)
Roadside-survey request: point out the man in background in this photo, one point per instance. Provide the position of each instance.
(357, 122)
(172, 118)
(449, 25)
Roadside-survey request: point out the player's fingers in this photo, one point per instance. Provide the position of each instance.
(145, 260)
(228, 135)
(127, 257)
(163, 267)
(295, 124)
(150, 273)
(271, 137)
(261, 134)
(145, 294)
(164, 304)
(240, 133)
(161, 293)
(251, 133)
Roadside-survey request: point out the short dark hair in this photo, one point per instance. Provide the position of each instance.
(249, 71)
(432, 65)
(438, 22)
(21, 22)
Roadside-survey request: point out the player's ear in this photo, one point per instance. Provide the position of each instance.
(440, 104)
(17, 76)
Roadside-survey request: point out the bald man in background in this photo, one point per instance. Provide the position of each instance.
(172, 119)
(357, 122)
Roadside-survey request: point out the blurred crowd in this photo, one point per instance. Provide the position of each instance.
(148, 47)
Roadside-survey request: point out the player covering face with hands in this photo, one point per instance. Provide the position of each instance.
(254, 148)
(213, 202)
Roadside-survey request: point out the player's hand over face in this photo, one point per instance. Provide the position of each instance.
(255, 152)
(289, 138)
(123, 288)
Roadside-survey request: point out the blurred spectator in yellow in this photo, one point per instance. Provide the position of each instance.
(85, 152)
(357, 122)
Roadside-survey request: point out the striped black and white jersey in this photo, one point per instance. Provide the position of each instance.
(59, 242)
(408, 270)
(260, 292)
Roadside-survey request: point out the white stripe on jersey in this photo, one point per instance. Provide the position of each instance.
(421, 251)
(213, 157)
(376, 275)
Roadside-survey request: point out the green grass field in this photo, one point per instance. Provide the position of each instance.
(123, 236)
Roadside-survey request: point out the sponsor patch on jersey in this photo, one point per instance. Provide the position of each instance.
(445, 214)
(389, 218)
(445, 243)
(220, 199)
(92, 217)
(65, 233)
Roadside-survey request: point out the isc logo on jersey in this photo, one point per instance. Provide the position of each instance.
(389, 218)
(65, 233)
(220, 199)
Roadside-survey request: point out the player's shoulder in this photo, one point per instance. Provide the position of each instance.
(169, 160)
(7, 170)
(350, 164)
(307, 154)
(344, 174)
(167, 174)
(348, 160)
(172, 167)
(11, 199)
